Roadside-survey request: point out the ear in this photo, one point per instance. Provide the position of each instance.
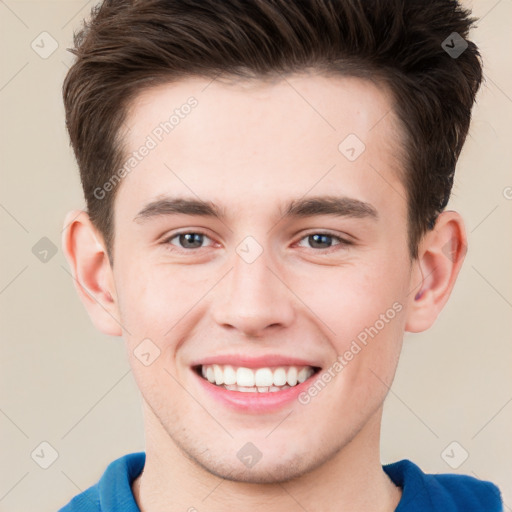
(86, 254)
(440, 257)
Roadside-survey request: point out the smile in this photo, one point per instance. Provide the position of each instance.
(254, 384)
(255, 380)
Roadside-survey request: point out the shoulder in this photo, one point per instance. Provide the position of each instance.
(113, 490)
(447, 492)
(88, 500)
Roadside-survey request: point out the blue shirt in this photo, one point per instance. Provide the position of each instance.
(420, 492)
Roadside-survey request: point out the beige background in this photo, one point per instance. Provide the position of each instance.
(64, 383)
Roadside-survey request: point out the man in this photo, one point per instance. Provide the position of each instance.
(266, 184)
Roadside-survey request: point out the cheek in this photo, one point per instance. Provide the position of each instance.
(348, 299)
(153, 298)
(362, 307)
(153, 304)
(364, 316)
(160, 303)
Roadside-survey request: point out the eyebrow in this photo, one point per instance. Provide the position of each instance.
(309, 207)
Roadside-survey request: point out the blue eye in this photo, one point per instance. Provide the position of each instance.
(323, 240)
(189, 240)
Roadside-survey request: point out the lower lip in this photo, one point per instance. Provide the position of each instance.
(254, 401)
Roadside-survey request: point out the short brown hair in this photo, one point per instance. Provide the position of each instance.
(130, 45)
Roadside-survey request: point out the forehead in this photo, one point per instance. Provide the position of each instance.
(259, 139)
(321, 105)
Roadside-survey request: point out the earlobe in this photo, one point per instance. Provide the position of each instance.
(440, 257)
(92, 274)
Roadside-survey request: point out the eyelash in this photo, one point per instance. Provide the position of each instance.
(342, 243)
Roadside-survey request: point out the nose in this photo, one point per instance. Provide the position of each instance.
(254, 298)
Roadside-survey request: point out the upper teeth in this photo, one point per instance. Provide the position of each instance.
(259, 377)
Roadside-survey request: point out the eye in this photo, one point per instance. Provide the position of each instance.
(188, 240)
(324, 240)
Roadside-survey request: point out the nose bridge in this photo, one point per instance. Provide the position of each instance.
(253, 297)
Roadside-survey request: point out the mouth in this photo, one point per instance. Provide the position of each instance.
(263, 380)
(254, 390)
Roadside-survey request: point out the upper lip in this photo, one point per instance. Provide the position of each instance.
(262, 361)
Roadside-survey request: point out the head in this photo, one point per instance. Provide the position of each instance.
(266, 184)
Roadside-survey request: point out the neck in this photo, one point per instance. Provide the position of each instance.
(351, 480)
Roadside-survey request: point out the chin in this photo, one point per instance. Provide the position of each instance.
(263, 472)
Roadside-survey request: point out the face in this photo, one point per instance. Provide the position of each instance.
(261, 268)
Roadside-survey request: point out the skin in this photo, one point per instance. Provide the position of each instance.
(250, 147)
